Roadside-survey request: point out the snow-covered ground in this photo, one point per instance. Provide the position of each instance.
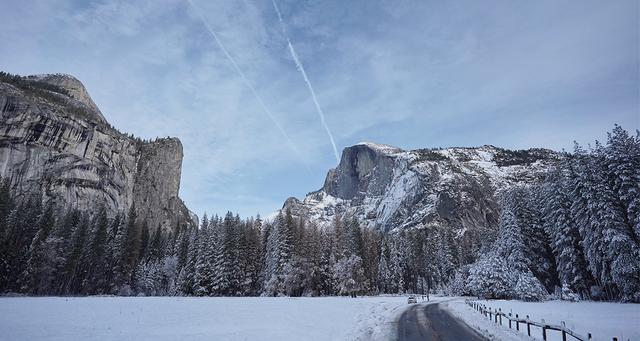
(191, 318)
(602, 320)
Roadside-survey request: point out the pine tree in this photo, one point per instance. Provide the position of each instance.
(562, 228)
(444, 259)
(112, 252)
(75, 270)
(61, 242)
(203, 280)
(271, 237)
(225, 258)
(127, 251)
(510, 244)
(38, 273)
(186, 277)
(538, 253)
(621, 266)
(98, 266)
(623, 164)
(397, 283)
(384, 273)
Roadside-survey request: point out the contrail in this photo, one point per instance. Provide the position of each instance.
(306, 79)
(245, 80)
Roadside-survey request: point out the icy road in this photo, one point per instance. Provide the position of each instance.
(427, 321)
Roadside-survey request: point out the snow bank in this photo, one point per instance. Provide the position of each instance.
(380, 321)
(602, 320)
(191, 318)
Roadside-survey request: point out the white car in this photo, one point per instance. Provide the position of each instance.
(412, 299)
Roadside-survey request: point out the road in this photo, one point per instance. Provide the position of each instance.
(430, 322)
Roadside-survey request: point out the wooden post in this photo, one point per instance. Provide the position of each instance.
(509, 320)
(495, 317)
(589, 336)
(528, 326)
(544, 333)
(517, 323)
(564, 333)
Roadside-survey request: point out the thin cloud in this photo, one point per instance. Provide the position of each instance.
(300, 68)
(246, 81)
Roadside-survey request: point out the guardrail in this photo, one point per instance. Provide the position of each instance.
(496, 315)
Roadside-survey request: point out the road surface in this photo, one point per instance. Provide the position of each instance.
(430, 322)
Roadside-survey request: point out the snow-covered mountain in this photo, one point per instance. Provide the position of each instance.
(390, 189)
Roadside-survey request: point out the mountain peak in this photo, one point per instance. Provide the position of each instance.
(76, 90)
(379, 147)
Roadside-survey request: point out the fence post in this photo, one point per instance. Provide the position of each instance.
(500, 316)
(509, 320)
(528, 326)
(589, 336)
(544, 333)
(615, 338)
(495, 316)
(517, 323)
(564, 333)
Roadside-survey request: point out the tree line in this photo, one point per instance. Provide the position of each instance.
(575, 234)
(47, 252)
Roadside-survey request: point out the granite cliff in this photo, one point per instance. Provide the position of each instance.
(54, 141)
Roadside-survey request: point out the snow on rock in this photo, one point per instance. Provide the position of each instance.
(404, 185)
(383, 148)
(603, 320)
(389, 188)
(197, 318)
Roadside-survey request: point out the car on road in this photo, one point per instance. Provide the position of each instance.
(412, 299)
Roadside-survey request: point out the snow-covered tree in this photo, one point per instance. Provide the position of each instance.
(491, 277)
(529, 288)
(562, 228)
(349, 275)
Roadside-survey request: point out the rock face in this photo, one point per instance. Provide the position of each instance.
(391, 189)
(56, 142)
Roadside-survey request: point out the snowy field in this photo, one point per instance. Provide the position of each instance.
(191, 318)
(602, 320)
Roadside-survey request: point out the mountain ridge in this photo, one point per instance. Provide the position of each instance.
(392, 189)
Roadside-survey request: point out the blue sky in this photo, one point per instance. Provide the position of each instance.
(414, 74)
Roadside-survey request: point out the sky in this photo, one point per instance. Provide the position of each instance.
(412, 74)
